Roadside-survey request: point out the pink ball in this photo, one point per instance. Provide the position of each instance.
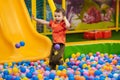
(71, 59)
(77, 63)
(94, 68)
(32, 63)
(97, 53)
(98, 66)
(27, 70)
(85, 73)
(1, 67)
(38, 61)
(96, 58)
(46, 73)
(88, 62)
(72, 71)
(78, 69)
(53, 71)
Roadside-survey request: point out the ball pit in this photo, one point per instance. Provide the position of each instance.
(79, 67)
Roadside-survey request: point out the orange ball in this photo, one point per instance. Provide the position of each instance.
(77, 77)
(82, 78)
(63, 73)
(91, 73)
(77, 72)
(114, 62)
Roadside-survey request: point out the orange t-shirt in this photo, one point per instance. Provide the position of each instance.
(58, 31)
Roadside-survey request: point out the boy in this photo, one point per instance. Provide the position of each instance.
(59, 27)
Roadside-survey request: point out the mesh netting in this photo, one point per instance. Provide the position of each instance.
(39, 11)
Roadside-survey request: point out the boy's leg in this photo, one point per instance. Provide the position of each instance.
(58, 58)
(51, 60)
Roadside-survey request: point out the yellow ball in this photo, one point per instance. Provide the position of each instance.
(73, 56)
(25, 78)
(90, 54)
(40, 76)
(10, 72)
(110, 56)
(58, 72)
(118, 67)
(84, 65)
(77, 54)
(10, 64)
(67, 60)
(56, 79)
(15, 70)
(102, 55)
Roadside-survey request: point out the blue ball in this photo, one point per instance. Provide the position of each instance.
(51, 76)
(22, 43)
(35, 78)
(46, 78)
(32, 69)
(47, 68)
(97, 72)
(56, 46)
(110, 75)
(29, 75)
(9, 77)
(71, 78)
(17, 78)
(60, 67)
(17, 45)
(6, 72)
(22, 69)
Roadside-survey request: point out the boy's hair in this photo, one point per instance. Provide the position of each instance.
(60, 10)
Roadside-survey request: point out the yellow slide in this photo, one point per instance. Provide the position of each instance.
(16, 26)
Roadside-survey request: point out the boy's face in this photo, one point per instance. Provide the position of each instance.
(58, 16)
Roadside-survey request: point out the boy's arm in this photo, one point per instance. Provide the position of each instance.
(67, 23)
(40, 20)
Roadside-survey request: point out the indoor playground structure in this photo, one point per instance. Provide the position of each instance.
(92, 47)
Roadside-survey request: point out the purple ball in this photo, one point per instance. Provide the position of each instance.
(17, 45)
(56, 46)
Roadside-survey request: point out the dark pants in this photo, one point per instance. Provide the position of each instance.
(56, 59)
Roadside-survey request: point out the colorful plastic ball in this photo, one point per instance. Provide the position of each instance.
(56, 46)
(97, 72)
(110, 75)
(51, 76)
(17, 78)
(73, 55)
(9, 77)
(15, 70)
(77, 54)
(60, 67)
(1, 67)
(115, 75)
(35, 78)
(47, 68)
(6, 72)
(71, 78)
(22, 43)
(17, 45)
(29, 75)
(82, 55)
(46, 73)
(46, 78)
(58, 72)
(40, 76)
(97, 53)
(22, 69)
(91, 77)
